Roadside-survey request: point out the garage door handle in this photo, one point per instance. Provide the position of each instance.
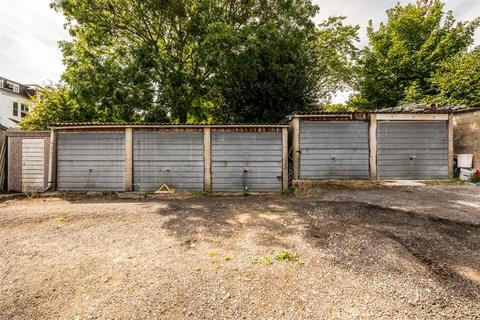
(412, 157)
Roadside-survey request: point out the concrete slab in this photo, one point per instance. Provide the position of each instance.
(404, 183)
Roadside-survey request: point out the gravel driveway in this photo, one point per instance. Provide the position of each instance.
(334, 252)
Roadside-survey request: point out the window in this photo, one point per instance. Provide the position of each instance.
(15, 109)
(24, 110)
(8, 85)
(1, 83)
(16, 88)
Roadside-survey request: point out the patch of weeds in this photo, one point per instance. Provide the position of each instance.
(228, 258)
(245, 194)
(212, 254)
(455, 181)
(285, 192)
(63, 218)
(254, 261)
(350, 253)
(285, 255)
(198, 269)
(267, 261)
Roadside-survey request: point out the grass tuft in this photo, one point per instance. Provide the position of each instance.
(285, 255)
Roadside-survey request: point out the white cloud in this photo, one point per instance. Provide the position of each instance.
(30, 30)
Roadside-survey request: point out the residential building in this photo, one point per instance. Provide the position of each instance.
(14, 102)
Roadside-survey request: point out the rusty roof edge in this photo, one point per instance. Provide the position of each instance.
(86, 125)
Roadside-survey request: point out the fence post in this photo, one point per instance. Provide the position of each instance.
(207, 158)
(129, 159)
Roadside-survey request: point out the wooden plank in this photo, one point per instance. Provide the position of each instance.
(411, 116)
(207, 156)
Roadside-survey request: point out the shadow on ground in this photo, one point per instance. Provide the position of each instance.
(368, 238)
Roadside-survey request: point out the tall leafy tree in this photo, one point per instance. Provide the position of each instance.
(458, 81)
(55, 104)
(404, 53)
(275, 68)
(202, 60)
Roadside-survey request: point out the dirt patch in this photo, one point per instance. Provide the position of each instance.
(201, 257)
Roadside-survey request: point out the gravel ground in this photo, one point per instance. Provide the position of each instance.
(363, 251)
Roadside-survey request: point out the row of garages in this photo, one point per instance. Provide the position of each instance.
(372, 145)
(232, 158)
(145, 157)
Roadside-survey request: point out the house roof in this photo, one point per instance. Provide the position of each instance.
(8, 123)
(25, 90)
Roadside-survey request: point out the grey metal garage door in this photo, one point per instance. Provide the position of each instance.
(91, 161)
(334, 149)
(244, 161)
(412, 150)
(174, 158)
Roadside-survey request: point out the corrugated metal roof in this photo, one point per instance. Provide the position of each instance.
(152, 124)
(426, 108)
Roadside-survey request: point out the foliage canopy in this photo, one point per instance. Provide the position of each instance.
(200, 60)
(406, 52)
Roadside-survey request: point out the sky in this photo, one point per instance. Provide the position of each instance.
(30, 31)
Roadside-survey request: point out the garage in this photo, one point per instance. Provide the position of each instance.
(376, 145)
(171, 158)
(329, 145)
(412, 150)
(247, 161)
(90, 161)
(334, 149)
(145, 157)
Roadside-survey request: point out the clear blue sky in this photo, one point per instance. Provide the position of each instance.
(29, 31)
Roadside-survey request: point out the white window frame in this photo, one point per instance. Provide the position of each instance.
(16, 87)
(18, 108)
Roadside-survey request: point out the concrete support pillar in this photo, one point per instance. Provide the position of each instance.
(52, 164)
(285, 158)
(450, 146)
(372, 140)
(296, 147)
(129, 159)
(207, 158)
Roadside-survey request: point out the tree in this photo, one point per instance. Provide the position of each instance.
(55, 104)
(458, 81)
(202, 60)
(273, 73)
(407, 51)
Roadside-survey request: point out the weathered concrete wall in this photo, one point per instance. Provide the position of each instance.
(15, 156)
(14, 164)
(466, 135)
